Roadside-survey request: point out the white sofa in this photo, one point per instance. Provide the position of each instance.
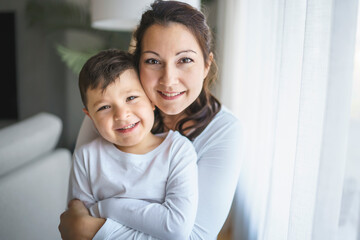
(33, 178)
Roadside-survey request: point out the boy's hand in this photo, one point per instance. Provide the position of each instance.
(77, 224)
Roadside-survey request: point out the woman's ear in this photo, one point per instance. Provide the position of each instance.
(208, 64)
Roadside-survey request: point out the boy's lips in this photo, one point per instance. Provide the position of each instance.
(127, 128)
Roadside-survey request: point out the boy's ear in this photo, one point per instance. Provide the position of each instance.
(87, 112)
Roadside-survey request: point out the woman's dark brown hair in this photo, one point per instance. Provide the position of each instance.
(205, 107)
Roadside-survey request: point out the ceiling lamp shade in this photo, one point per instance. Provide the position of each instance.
(121, 15)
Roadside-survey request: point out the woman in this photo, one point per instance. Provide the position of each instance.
(176, 68)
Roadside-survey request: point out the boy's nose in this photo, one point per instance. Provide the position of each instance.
(121, 113)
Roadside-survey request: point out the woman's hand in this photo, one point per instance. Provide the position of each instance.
(77, 224)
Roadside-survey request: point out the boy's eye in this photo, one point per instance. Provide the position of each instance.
(152, 61)
(131, 98)
(186, 60)
(104, 107)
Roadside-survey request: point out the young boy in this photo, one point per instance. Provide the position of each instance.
(145, 182)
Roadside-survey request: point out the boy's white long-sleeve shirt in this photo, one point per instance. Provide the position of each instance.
(155, 193)
(219, 148)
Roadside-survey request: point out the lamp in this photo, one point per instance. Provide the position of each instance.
(123, 15)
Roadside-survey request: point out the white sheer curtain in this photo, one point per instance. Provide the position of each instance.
(286, 71)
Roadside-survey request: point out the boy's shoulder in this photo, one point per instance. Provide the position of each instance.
(181, 151)
(177, 142)
(96, 144)
(173, 141)
(176, 137)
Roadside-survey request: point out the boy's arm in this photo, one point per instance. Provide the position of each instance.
(174, 219)
(79, 187)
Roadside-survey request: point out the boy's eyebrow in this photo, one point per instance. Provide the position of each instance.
(184, 51)
(130, 91)
(97, 103)
(133, 91)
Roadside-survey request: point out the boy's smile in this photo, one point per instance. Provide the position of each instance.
(128, 128)
(122, 113)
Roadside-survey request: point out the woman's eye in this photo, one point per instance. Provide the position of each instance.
(104, 107)
(131, 98)
(152, 61)
(186, 60)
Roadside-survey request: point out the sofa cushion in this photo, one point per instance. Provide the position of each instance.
(33, 197)
(27, 140)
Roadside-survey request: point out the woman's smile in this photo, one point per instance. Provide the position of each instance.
(170, 95)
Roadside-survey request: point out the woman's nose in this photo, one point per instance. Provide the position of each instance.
(169, 76)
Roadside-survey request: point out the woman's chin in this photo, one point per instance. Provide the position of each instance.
(171, 111)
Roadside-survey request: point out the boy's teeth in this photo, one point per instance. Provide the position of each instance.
(130, 126)
(171, 94)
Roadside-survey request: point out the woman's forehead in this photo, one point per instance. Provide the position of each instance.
(174, 37)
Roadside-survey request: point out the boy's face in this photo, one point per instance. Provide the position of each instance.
(122, 114)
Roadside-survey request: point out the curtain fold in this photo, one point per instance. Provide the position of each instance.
(286, 71)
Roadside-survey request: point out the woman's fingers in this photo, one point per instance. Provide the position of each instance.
(72, 220)
(76, 222)
(78, 207)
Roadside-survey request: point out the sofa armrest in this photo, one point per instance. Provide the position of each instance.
(28, 140)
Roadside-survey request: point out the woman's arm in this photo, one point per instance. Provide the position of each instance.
(219, 164)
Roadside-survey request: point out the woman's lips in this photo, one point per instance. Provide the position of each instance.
(170, 95)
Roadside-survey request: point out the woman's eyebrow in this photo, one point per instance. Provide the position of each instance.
(186, 51)
(151, 52)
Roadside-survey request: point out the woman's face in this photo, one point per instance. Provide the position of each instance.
(172, 67)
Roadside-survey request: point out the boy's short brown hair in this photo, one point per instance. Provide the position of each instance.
(103, 69)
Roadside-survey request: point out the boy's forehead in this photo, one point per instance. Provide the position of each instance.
(125, 77)
(129, 78)
(129, 73)
(125, 82)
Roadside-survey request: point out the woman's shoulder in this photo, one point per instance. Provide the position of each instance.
(224, 126)
(223, 120)
(225, 116)
(87, 133)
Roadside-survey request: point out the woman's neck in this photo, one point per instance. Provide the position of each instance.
(170, 121)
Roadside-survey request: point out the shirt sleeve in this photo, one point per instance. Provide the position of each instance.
(113, 230)
(173, 219)
(79, 186)
(219, 164)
